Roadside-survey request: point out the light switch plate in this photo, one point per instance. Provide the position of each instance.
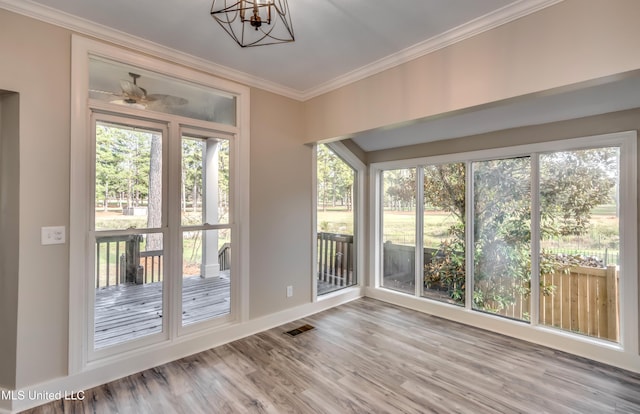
(53, 235)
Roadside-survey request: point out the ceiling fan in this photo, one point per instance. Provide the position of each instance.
(132, 94)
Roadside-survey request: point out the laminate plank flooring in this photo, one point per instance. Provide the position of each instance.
(370, 357)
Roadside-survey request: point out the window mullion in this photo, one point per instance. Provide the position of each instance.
(535, 240)
(173, 283)
(379, 222)
(469, 238)
(419, 275)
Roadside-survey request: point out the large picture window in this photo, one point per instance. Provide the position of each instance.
(534, 234)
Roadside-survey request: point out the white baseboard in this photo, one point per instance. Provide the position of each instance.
(140, 361)
(5, 404)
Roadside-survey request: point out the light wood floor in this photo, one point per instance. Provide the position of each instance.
(370, 357)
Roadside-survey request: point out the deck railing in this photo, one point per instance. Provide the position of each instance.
(335, 259)
(109, 264)
(224, 256)
(152, 262)
(119, 260)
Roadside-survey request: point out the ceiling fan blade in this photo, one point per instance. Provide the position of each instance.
(104, 92)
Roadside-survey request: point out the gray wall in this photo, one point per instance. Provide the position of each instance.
(36, 64)
(9, 218)
(280, 205)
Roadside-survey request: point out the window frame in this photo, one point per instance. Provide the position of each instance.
(231, 225)
(92, 234)
(81, 354)
(360, 169)
(584, 345)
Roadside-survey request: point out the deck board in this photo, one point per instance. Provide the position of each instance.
(125, 312)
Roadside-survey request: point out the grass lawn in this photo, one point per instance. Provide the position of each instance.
(399, 227)
(192, 244)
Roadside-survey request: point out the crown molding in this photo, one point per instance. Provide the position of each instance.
(85, 27)
(489, 21)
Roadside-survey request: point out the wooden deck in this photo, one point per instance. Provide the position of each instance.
(126, 312)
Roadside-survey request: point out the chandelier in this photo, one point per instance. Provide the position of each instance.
(254, 22)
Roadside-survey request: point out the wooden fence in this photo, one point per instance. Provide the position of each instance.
(583, 300)
(399, 260)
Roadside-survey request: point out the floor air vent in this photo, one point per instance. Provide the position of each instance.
(298, 331)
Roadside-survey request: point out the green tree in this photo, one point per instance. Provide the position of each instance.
(154, 204)
(122, 164)
(192, 158)
(571, 184)
(444, 189)
(223, 179)
(335, 179)
(108, 172)
(400, 188)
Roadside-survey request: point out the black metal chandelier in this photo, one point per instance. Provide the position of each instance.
(254, 22)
